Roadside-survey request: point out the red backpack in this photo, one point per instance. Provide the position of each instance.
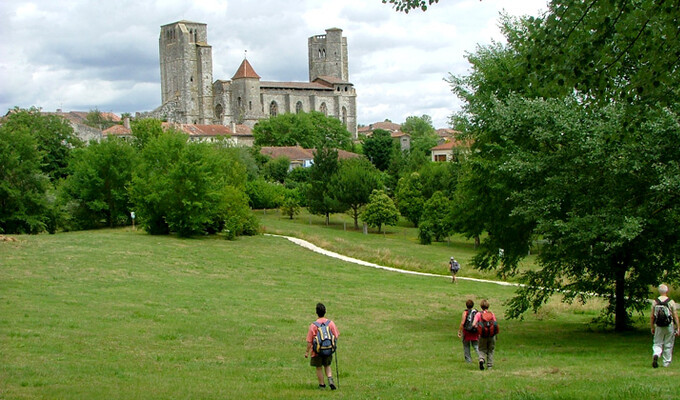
(487, 326)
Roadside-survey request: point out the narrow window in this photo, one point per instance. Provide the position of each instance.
(323, 109)
(298, 107)
(273, 109)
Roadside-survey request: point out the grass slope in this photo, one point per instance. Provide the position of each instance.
(122, 314)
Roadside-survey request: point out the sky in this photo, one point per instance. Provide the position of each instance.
(80, 55)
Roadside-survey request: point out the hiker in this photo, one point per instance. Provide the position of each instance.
(454, 267)
(321, 362)
(468, 330)
(487, 326)
(665, 327)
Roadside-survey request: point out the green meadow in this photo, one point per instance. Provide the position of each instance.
(120, 314)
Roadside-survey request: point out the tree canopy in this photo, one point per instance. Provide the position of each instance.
(308, 130)
(573, 123)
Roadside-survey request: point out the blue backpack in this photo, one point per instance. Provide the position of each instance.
(324, 343)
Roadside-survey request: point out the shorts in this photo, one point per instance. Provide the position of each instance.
(320, 361)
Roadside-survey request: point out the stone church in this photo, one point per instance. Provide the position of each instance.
(190, 96)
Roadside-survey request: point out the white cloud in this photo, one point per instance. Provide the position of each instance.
(81, 54)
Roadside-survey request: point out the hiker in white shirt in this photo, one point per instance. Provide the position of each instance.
(664, 327)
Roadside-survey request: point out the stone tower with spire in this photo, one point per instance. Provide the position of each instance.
(189, 95)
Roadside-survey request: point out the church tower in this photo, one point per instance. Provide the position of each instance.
(186, 72)
(328, 56)
(246, 95)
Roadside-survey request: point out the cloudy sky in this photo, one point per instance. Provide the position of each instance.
(78, 55)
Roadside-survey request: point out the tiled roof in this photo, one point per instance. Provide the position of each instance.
(386, 125)
(330, 79)
(298, 153)
(294, 85)
(445, 132)
(209, 130)
(117, 130)
(399, 134)
(450, 144)
(245, 71)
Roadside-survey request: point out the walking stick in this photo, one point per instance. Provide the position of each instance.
(337, 373)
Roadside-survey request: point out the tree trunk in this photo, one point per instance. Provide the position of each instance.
(621, 318)
(328, 219)
(356, 217)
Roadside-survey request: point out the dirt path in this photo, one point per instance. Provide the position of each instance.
(328, 253)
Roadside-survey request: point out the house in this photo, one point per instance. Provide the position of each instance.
(449, 150)
(404, 139)
(300, 157)
(238, 135)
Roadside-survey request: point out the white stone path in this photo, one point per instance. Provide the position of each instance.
(328, 253)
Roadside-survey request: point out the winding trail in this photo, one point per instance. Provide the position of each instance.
(328, 253)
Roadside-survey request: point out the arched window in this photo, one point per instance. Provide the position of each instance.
(219, 111)
(298, 107)
(239, 103)
(344, 116)
(323, 109)
(273, 109)
(250, 106)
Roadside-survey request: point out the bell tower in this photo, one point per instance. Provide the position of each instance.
(328, 56)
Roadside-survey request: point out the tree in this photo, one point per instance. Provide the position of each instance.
(408, 5)
(379, 148)
(276, 169)
(97, 186)
(586, 167)
(263, 194)
(54, 138)
(290, 206)
(308, 130)
(423, 135)
(96, 119)
(380, 211)
(353, 183)
(23, 203)
(319, 195)
(436, 216)
(409, 197)
(144, 130)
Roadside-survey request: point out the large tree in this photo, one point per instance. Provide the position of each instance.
(319, 195)
(308, 130)
(422, 132)
(380, 210)
(353, 183)
(378, 148)
(573, 123)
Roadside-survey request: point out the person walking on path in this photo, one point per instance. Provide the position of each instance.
(468, 331)
(454, 267)
(487, 326)
(321, 363)
(665, 328)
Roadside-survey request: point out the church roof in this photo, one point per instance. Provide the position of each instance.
(245, 71)
(295, 85)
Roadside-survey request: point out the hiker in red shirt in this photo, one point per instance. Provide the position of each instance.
(487, 327)
(468, 330)
(321, 362)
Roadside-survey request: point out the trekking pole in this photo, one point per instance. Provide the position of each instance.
(337, 374)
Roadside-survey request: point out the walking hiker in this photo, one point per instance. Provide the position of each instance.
(454, 267)
(665, 327)
(468, 331)
(321, 341)
(487, 326)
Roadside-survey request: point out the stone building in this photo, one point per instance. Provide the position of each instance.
(190, 96)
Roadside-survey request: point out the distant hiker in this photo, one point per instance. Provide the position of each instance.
(487, 326)
(319, 334)
(454, 267)
(664, 321)
(468, 330)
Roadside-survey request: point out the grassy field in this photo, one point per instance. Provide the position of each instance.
(125, 315)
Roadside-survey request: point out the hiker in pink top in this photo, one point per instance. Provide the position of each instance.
(322, 363)
(488, 329)
(468, 330)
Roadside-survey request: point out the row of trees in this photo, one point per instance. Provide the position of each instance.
(51, 181)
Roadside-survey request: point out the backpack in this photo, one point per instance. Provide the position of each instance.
(486, 326)
(662, 313)
(324, 343)
(469, 321)
(455, 266)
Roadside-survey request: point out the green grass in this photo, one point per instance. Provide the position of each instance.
(122, 314)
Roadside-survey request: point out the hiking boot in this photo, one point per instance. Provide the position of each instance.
(481, 365)
(655, 362)
(331, 383)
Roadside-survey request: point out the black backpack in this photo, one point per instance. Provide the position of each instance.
(662, 313)
(324, 343)
(469, 319)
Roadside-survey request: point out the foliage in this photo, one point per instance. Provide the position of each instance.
(23, 186)
(436, 217)
(380, 210)
(237, 216)
(276, 169)
(182, 186)
(263, 194)
(290, 206)
(96, 119)
(408, 5)
(308, 130)
(353, 183)
(379, 148)
(571, 122)
(438, 176)
(54, 138)
(409, 197)
(144, 130)
(97, 186)
(423, 135)
(319, 193)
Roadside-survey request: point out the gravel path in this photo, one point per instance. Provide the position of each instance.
(328, 253)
